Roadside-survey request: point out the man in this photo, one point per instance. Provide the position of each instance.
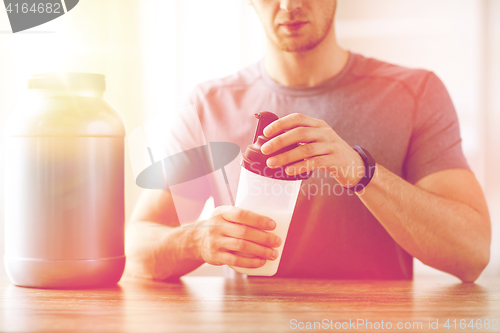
(422, 201)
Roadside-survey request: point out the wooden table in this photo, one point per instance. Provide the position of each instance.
(215, 304)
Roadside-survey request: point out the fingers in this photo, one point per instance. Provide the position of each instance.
(226, 258)
(296, 135)
(317, 162)
(288, 122)
(249, 218)
(250, 249)
(251, 234)
(241, 239)
(300, 153)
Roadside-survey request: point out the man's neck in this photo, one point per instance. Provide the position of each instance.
(306, 69)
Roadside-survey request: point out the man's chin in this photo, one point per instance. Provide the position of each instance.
(296, 47)
(296, 43)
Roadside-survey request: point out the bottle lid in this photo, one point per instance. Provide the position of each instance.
(68, 81)
(255, 161)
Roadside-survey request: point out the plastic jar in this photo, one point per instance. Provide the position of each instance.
(64, 185)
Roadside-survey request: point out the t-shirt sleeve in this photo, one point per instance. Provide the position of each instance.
(435, 143)
(177, 138)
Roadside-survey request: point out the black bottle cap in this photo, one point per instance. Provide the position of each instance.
(255, 161)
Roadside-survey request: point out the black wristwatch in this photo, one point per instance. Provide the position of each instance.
(370, 166)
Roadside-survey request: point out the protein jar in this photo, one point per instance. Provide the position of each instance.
(64, 185)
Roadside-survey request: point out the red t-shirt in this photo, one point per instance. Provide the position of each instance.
(403, 117)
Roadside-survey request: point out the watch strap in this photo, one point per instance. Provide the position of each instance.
(370, 166)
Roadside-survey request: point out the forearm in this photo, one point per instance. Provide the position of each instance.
(159, 252)
(442, 233)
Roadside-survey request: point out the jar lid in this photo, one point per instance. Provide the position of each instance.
(255, 161)
(68, 81)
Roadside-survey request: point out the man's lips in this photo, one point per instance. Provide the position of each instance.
(293, 26)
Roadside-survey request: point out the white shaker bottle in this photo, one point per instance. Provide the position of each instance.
(64, 189)
(266, 191)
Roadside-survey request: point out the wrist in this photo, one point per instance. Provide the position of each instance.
(369, 169)
(357, 173)
(189, 246)
(350, 174)
(374, 181)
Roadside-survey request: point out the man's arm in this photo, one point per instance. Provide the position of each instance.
(155, 246)
(443, 220)
(158, 248)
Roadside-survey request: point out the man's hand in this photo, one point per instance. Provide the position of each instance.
(320, 148)
(237, 237)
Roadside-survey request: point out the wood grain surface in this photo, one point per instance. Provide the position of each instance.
(215, 304)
